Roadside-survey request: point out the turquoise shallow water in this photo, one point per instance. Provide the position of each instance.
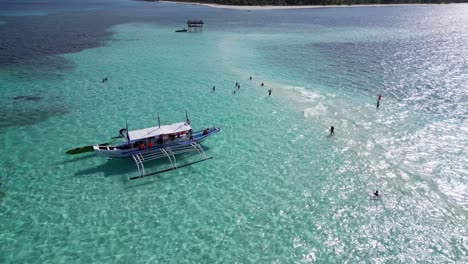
(279, 189)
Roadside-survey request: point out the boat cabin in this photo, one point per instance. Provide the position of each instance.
(160, 134)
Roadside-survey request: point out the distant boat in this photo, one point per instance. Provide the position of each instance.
(181, 30)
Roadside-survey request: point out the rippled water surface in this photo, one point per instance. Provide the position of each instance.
(279, 189)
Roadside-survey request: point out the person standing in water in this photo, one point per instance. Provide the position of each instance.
(214, 88)
(261, 84)
(378, 100)
(250, 78)
(332, 130)
(269, 92)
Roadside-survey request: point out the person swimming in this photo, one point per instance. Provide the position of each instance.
(332, 130)
(376, 194)
(104, 80)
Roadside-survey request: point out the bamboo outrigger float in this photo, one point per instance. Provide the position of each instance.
(153, 143)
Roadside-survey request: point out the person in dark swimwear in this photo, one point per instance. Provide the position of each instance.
(214, 88)
(190, 135)
(104, 80)
(261, 84)
(269, 92)
(378, 104)
(160, 140)
(376, 194)
(332, 130)
(250, 78)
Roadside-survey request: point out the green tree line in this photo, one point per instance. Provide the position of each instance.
(323, 2)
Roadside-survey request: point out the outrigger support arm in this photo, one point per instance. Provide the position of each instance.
(169, 169)
(141, 158)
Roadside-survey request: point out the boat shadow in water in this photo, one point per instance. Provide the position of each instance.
(75, 159)
(110, 168)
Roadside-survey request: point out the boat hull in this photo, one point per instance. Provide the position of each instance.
(125, 150)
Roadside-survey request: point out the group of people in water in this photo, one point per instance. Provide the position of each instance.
(237, 85)
(105, 79)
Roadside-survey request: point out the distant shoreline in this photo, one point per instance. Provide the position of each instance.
(271, 7)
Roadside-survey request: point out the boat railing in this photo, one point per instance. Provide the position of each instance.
(199, 148)
(139, 163)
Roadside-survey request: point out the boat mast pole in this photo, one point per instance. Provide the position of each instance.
(159, 122)
(186, 117)
(126, 127)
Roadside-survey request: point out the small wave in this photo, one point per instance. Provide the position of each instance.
(314, 111)
(313, 101)
(307, 94)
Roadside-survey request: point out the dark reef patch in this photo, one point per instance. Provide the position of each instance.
(37, 36)
(74, 26)
(27, 97)
(20, 116)
(39, 68)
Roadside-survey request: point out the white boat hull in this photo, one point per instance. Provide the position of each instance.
(125, 151)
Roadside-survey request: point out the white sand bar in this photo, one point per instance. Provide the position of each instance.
(270, 7)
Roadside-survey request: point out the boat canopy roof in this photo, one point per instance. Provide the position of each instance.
(156, 131)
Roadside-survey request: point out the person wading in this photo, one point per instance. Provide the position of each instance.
(378, 100)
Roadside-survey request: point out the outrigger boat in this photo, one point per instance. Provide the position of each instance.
(157, 142)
